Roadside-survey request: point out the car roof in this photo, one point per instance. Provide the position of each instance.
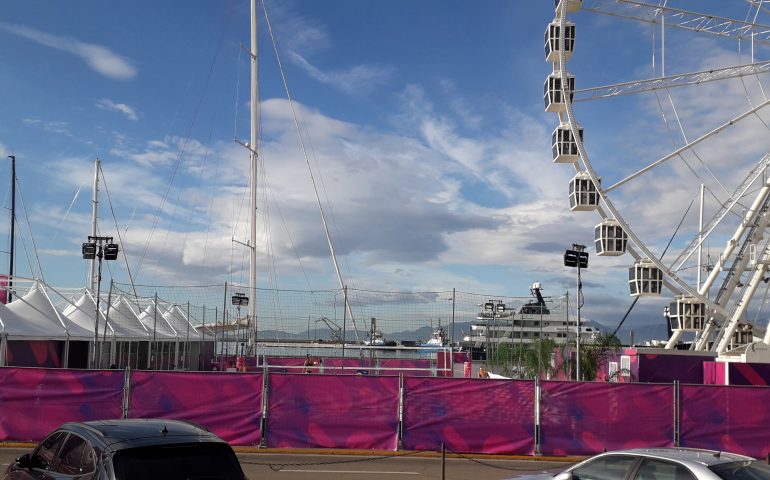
(685, 455)
(129, 433)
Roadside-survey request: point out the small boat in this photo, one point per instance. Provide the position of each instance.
(438, 337)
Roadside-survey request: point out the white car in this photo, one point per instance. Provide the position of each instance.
(662, 464)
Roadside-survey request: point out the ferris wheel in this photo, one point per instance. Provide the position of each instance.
(681, 182)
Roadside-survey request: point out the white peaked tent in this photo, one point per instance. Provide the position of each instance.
(14, 328)
(192, 346)
(117, 330)
(134, 350)
(178, 320)
(164, 348)
(38, 314)
(153, 320)
(37, 311)
(124, 319)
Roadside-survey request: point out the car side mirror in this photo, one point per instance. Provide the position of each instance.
(24, 461)
(563, 476)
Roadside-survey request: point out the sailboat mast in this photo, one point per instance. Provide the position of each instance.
(254, 148)
(92, 278)
(13, 227)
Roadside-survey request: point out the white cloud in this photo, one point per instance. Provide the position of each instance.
(61, 128)
(99, 58)
(358, 80)
(107, 104)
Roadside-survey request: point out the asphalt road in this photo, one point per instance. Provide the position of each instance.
(295, 466)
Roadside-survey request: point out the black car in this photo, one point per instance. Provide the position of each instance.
(129, 449)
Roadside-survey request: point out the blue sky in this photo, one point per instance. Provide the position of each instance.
(423, 120)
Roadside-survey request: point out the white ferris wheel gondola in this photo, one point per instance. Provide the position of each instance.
(687, 314)
(645, 279)
(553, 41)
(583, 193)
(610, 239)
(563, 144)
(552, 91)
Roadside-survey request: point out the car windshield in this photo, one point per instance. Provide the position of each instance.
(200, 461)
(748, 470)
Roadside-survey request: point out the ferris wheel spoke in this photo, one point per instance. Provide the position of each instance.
(683, 19)
(671, 81)
(684, 148)
(725, 209)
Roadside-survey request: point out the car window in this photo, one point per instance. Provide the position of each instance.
(75, 457)
(748, 470)
(45, 453)
(606, 467)
(652, 469)
(178, 462)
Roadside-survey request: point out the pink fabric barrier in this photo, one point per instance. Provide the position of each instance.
(228, 404)
(587, 418)
(733, 419)
(469, 415)
(321, 411)
(34, 401)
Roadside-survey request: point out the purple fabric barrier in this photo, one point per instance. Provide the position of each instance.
(228, 404)
(35, 353)
(321, 411)
(748, 373)
(666, 368)
(730, 419)
(481, 416)
(34, 401)
(586, 418)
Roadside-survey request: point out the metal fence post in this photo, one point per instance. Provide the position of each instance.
(538, 398)
(677, 415)
(265, 392)
(400, 428)
(126, 390)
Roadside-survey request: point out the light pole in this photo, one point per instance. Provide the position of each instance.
(496, 308)
(101, 248)
(577, 257)
(241, 300)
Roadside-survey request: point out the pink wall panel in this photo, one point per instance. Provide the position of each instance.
(228, 404)
(34, 401)
(587, 418)
(469, 415)
(324, 411)
(733, 419)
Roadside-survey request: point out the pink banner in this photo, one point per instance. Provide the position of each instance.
(228, 404)
(3, 289)
(469, 415)
(587, 418)
(323, 411)
(733, 419)
(35, 401)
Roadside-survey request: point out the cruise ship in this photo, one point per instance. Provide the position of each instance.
(497, 325)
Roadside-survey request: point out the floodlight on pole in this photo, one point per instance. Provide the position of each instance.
(101, 248)
(577, 257)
